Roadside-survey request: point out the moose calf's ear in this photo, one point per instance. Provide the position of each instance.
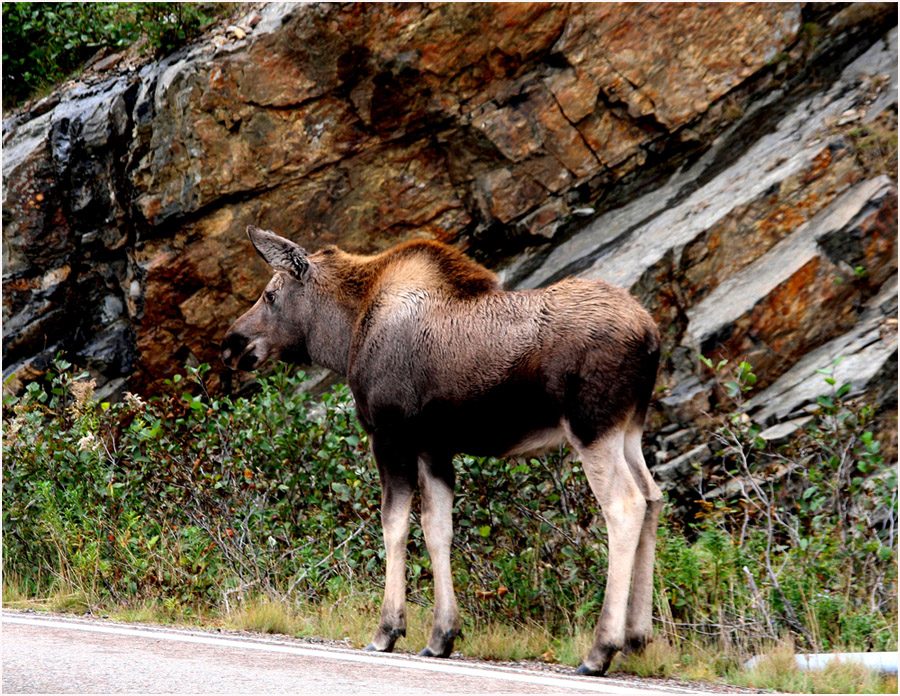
(280, 253)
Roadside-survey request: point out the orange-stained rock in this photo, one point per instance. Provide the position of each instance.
(670, 61)
(575, 92)
(612, 138)
(560, 138)
(505, 196)
(786, 323)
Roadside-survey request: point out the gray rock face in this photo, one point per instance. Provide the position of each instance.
(868, 361)
(686, 401)
(782, 432)
(64, 255)
(715, 315)
(628, 241)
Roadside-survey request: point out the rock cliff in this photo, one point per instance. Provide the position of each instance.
(734, 166)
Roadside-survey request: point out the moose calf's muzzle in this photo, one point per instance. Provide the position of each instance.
(237, 354)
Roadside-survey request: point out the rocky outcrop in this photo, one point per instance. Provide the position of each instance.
(769, 255)
(726, 163)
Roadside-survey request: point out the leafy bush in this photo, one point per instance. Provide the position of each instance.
(806, 541)
(201, 500)
(185, 496)
(43, 43)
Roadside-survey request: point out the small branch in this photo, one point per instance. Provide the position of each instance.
(324, 560)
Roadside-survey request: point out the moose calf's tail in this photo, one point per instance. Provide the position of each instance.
(649, 367)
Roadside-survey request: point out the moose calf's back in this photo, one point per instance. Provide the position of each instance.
(483, 373)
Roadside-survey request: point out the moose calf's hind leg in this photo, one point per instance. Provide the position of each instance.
(639, 622)
(623, 507)
(437, 523)
(395, 508)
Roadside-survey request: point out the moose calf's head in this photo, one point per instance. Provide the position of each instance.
(273, 328)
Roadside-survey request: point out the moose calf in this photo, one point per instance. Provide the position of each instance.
(441, 360)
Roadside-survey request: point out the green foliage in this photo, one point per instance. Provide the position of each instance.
(196, 501)
(527, 540)
(168, 25)
(199, 499)
(43, 43)
(806, 542)
(184, 496)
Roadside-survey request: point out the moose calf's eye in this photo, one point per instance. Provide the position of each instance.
(270, 297)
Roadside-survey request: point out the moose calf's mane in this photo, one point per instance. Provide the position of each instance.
(418, 263)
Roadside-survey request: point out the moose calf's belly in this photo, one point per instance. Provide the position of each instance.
(514, 421)
(537, 442)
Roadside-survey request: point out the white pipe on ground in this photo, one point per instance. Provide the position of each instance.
(884, 662)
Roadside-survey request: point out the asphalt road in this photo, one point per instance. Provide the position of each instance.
(56, 655)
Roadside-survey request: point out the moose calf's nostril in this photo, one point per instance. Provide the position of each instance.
(235, 343)
(247, 363)
(232, 346)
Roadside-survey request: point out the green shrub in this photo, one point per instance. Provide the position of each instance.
(181, 496)
(43, 43)
(807, 543)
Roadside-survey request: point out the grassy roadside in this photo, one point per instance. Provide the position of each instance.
(351, 616)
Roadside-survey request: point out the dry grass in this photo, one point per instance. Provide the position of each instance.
(165, 612)
(60, 597)
(496, 641)
(265, 615)
(570, 650)
(353, 616)
(145, 612)
(658, 659)
(13, 596)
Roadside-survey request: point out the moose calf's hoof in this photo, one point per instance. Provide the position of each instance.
(598, 660)
(371, 647)
(428, 652)
(583, 669)
(384, 639)
(635, 645)
(444, 639)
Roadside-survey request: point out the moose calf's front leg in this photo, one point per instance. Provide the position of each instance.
(396, 499)
(437, 523)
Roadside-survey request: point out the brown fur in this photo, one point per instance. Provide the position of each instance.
(455, 274)
(441, 360)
